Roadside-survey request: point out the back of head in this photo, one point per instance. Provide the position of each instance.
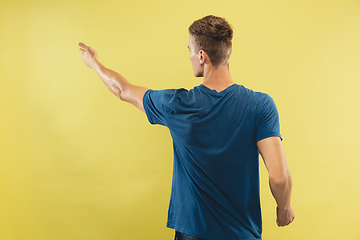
(213, 35)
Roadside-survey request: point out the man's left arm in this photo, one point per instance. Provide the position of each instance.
(114, 81)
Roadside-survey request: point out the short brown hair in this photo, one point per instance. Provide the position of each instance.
(213, 35)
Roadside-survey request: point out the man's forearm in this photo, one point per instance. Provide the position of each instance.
(281, 190)
(113, 80)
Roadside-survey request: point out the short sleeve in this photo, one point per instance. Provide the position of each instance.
(268, 124)
(157, 105)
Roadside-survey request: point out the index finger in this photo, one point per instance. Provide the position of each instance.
(83, 45)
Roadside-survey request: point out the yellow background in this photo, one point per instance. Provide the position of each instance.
(77, 163)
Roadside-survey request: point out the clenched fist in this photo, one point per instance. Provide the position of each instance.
(285, 216)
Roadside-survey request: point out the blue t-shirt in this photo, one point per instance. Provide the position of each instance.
(215, 191)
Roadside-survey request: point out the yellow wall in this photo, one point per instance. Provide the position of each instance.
(77, 163)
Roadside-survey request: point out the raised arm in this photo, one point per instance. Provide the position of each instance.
(279, 178)
(116, 83)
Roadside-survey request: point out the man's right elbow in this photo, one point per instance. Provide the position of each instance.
(119, 93)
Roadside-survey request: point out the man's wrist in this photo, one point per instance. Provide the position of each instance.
(96, 65)
(283, 208)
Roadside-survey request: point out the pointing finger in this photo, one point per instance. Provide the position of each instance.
(83, 45)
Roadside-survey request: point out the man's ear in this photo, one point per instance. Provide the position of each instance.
(202, 56)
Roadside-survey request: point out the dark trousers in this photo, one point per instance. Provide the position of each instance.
(182, 236)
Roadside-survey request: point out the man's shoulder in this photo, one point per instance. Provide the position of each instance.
(254, 92)
(167, 93)
(255, 96)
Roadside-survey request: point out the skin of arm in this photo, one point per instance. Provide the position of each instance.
(114, 81)
(280, 179)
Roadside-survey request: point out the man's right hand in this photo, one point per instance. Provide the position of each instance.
(89, 55)
(285, 216)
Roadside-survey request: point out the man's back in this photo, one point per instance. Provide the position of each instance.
(217, 136)
(215, 191)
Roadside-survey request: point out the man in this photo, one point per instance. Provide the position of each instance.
(218, 129)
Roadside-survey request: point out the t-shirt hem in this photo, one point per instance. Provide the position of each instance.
(269, 135)
(146, 108)
(204, 236)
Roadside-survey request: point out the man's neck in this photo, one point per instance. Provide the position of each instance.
(217, 78)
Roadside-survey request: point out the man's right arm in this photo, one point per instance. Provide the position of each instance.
(114, 81)
(279, 178)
